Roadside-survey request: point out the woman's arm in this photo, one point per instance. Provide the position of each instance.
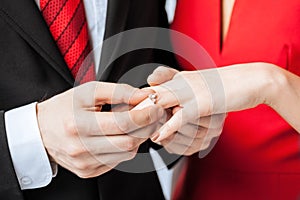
(285, 97)
(232, 88)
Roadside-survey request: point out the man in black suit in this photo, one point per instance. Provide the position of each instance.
(33, 70)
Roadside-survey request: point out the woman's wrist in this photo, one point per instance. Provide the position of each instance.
(259, 83)
(248, 85)
(274, 81)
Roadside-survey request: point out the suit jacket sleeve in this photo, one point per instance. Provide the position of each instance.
(9, 185)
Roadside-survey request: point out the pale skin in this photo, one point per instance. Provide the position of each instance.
(88, 142)
(227, 7)
(258, 83)
(244, 86)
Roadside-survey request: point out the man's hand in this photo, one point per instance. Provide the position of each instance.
(88, 142)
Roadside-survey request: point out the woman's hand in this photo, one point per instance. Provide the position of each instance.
(199, 94)
(198, 136)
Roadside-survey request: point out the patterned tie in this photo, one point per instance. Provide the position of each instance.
(68, 26)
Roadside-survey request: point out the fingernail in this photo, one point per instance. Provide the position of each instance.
(158, 139)
(150, 79)
(155, 136)
(161, 136)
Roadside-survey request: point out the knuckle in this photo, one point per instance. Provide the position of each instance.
(189, 153)
(103, 169)
(81, 165)
(135, 151)
(147, 118)
(131, 144)
(200, 134)
(82, 174)
(131, 155)
(142, 119)
(74, 151)
(70, 128)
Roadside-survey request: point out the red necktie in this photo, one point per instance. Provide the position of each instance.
(68, 26)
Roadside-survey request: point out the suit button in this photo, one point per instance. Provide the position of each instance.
(26, 180)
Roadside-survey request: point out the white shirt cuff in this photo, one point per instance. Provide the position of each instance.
(29, 157)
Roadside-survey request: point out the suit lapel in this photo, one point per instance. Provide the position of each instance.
(117, 13)
(25, 18)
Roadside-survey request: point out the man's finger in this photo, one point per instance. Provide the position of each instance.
(111, 159)
(125, 122)
(111, 144)
(136, 119)
(111, 93)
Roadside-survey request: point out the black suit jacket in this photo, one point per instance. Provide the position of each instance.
(32, 69)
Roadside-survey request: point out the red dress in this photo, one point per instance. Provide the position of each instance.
(258, 153)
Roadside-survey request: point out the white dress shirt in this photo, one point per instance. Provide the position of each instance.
(30, 160)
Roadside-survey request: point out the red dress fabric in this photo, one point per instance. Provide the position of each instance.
(258, 153)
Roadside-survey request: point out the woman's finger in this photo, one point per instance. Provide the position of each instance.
(192, 131)
(170, 127)
(161, 75)
(167, 96)
(182, 149)
(176, 92)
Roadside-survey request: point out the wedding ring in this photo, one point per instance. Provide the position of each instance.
(153, 98)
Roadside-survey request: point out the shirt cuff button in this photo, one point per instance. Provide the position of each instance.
(26, 180)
